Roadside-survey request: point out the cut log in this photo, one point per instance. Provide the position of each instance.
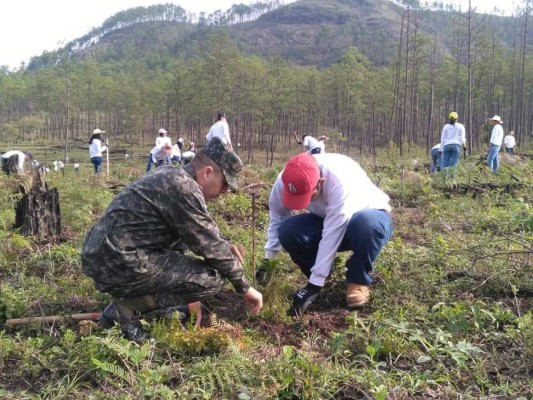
(37, 212)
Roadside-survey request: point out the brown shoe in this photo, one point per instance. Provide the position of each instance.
(357, 295)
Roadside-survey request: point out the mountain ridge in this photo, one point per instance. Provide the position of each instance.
(306, 32)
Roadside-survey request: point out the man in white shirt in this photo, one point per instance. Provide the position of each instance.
(496, 139)
(347, 212)
(312, 145)
(220, 129)
(509, 142)
(13, 161)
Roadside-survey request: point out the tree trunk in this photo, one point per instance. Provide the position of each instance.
(37, 213)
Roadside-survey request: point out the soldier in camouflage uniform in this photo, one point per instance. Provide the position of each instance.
(133, 252)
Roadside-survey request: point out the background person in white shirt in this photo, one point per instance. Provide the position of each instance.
(509, 142)
(13, 161)
(160, 141)
(347, 212)
(161, 154)
(220, 129)
(453, 136)
(96, 149)
(495, 144)
(312, 145)
(436, 158)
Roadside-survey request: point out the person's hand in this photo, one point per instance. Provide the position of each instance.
(238, 251)
(253, 300)
(303, 298)
(264, 272)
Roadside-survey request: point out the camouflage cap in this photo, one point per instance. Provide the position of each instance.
(226, 159)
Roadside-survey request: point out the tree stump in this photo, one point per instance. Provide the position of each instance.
(37, 213)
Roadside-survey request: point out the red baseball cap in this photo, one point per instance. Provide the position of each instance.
(300, 177)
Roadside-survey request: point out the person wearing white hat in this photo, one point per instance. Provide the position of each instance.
(496, 139)
(509, 142)
(95, 150)
(160, 142)
(220, 129)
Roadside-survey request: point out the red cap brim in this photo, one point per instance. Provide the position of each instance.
(296, 201)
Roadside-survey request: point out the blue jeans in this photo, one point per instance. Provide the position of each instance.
(366, 234)
(97, 164)
(510, 150)
(450, 155)
(150, 162)
(492, 158)
(436, 160)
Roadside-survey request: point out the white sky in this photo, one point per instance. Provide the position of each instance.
(29, 27)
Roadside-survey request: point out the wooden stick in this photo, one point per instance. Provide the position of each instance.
(107, 156)
(94, 316)
(253, 236)
(296, 136)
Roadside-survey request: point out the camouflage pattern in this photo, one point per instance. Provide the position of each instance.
(226, 159)
(133, 249)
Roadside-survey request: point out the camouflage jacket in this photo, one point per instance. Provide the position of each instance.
(161, 209)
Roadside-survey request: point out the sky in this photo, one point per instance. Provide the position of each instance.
(29, 27)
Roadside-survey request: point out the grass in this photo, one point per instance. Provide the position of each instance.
(450, 317)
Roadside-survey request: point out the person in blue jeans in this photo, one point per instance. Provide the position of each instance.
(436, 159)
(495, 144)
(453, 136)
(347, 212)
(96, 149)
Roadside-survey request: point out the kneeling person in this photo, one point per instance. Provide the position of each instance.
(132, 253)
(347, 212)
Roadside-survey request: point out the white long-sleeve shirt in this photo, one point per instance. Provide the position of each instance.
(163, 140)
(21, 158)
(220, 129)
(176, 152)
(453, 134)
(496, 136)
(96, 148)
(509, 141)
(346, 190)
(311, 143)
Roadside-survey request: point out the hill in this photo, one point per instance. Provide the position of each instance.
(307, 32)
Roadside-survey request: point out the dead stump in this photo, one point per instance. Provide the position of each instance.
(37, 212)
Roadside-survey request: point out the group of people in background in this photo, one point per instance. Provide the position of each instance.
(164, 153)
(446, 154)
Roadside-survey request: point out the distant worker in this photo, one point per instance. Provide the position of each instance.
(188, 156)
(175, 154)
(509, 142)
(95, 151)
(77, 167)
(495, 144)
(453, 137)
(312, 145)
(161, 154)
(160, 141)
(13, 161)
(436, 158)
(220, 129)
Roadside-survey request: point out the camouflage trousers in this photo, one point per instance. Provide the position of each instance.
(171, 277)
